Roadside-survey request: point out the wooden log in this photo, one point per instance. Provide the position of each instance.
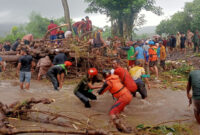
(10, 58)
(8, 53)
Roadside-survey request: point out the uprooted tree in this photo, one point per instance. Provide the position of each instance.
(124, 15)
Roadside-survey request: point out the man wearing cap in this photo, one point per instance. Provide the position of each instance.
(56, 74)
(85, 87)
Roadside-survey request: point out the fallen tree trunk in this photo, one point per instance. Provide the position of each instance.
(87, 132)
(10, 58)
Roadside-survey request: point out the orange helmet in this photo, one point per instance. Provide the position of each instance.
(67, 63)
(92, 71)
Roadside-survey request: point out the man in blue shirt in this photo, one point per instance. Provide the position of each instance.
(140, 54)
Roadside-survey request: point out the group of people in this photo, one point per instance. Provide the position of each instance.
(180, 41)
(83, 26)
(123, 83)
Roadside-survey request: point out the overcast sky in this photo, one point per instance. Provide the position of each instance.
(18, 11)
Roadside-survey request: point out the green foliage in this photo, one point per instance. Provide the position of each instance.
(123, 13)
(183, 70)
(182, 21)
(16, 32)
(37, 25)
(107, 32)
(176, 129)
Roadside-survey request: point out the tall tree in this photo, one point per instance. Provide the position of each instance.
(122, 13)
(66, 13)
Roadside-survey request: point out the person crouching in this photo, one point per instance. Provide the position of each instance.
(56, 74)
(85, 87)
(137, 73)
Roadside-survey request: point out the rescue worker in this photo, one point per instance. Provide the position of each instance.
(120, 92)
(56, 74)
(125, 77)
(153, 58)
(85, 87)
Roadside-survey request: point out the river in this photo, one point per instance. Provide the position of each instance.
(162, 105)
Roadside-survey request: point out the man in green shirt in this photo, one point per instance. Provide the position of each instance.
(130, 53)
(194, 83)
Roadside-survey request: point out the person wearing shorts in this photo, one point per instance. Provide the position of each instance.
(24, 67)
(153, 58)
(194, 83)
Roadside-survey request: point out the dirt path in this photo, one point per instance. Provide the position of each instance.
(161, 105)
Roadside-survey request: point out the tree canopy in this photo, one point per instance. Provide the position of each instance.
(189, 18)
(123, 14)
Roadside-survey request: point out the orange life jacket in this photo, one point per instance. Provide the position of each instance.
(153, 54)
(117, 89)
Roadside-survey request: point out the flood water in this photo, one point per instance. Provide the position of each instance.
(162, 105)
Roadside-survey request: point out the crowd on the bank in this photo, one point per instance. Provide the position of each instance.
(123, 83)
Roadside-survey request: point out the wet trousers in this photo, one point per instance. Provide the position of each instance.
(141, 89)
(120, 104)
(84, 96)
(53, 79)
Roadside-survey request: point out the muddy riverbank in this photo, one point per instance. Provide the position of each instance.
(162, 105)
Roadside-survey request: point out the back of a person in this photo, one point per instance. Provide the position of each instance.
(162, 53)
(44, 62)
(59, 59)
(126, 79)
(136, 72)
(195, 83)
(55, 70)
(26, 61)
(15, 45)
(51, 26)
(140, 51)
(117, 88)
(7, 47)
(28, 37)
(153, 54)
(97, 38)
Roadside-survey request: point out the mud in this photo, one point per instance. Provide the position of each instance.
(162, 105)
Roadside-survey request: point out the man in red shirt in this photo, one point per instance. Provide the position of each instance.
(125, 77)
(53, 32)
(88, 24)
(78, 26)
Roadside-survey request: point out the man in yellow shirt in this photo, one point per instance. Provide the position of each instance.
(163, 55)
(137, 73)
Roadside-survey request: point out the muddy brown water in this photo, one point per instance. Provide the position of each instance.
(162, 105)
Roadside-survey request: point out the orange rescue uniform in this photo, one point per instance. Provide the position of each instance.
(121, 93)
